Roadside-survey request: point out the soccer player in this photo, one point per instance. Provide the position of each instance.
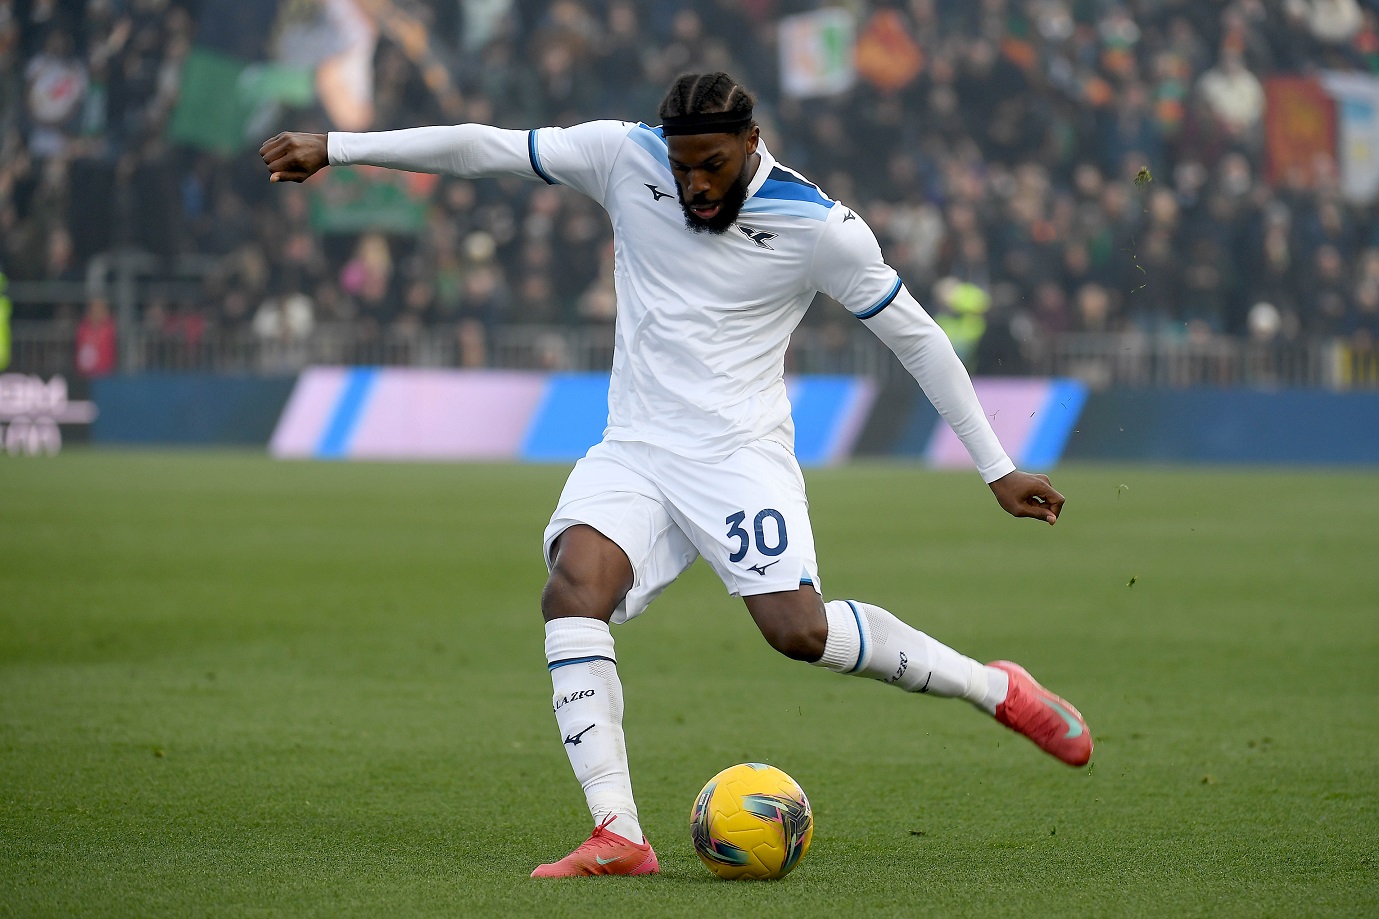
(719, 251)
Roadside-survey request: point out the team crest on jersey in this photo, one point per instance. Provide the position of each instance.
(760, 237)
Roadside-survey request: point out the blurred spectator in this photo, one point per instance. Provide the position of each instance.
(1330, 21)
(6, 308)
(1265, 323)
(1328, 299)
(960, 310)
(1235, 95)
(367, 277)
(96, 341)
(56, 82)
(284, 319)
(1094, 308)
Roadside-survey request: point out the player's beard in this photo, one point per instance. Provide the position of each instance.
(731, 206)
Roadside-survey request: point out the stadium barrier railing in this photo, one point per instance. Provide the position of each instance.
(1135, 359)
(1127, 359)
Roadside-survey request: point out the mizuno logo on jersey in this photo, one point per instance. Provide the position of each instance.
(760, 237)
(657, 194)
(849, 216)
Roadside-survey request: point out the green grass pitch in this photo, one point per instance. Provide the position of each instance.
(235, 687)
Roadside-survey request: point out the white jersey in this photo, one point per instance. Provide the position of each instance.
(704, 320)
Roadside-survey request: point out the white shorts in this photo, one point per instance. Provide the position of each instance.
(747, 516)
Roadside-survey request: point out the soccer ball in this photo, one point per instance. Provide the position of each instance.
(751, 822)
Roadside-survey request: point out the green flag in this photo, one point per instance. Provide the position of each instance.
(219, 95)
(354, 201)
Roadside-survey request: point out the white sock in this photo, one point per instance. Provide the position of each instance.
(588, 711)
(866, 640)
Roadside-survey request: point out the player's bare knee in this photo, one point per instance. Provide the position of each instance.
(564, 595)
(590, 575)
(792, 622)
(801, 641)
(800, 637)
(568, 593)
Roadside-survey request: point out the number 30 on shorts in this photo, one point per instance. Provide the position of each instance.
(744, 539)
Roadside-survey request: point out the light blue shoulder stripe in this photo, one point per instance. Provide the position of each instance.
(794, 191)
(652, 142)
(654, 134)
(789, 207)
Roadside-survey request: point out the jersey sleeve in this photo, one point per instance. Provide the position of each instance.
(849, 267)
(581, 157)
(470, 151)
(928, 355)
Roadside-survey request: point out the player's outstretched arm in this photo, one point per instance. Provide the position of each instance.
(469, 151)
(580, 156)
(853, 271)
(1023, 494)
(849, 267)
(293, 157)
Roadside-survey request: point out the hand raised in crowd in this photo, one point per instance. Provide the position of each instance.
(293, 157)
(1023, 494)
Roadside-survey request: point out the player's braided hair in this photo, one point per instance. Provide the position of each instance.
(706, 93)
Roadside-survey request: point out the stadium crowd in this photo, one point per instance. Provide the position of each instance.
(1054, 165)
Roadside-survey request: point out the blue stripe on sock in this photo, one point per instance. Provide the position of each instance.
(579, 660)
(861, 637)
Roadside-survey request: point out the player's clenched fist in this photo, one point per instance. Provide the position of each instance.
(1026, 495)
(294, 157)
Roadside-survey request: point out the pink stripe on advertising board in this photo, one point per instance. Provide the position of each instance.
(854, 418)
(307, 413)
(446, 415)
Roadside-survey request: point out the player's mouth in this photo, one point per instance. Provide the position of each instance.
(705, 211)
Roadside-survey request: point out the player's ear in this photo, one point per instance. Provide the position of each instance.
(753, 136)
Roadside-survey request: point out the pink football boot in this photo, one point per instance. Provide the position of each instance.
(604, 852)
(1054, 725)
